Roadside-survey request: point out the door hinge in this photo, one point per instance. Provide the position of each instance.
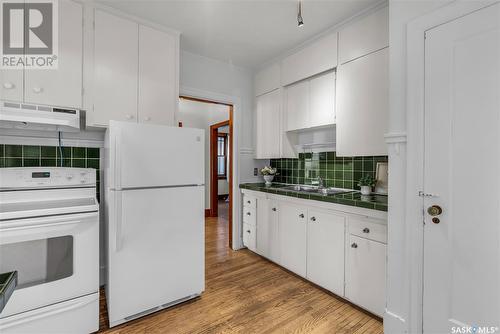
(424, 194)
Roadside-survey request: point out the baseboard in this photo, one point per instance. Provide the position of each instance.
(394, 323)
(208, 213)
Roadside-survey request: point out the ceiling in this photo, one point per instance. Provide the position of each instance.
(243, 32)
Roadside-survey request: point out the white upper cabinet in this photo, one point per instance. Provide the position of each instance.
(297, 105)
(268, 121)
(325, 250)
(311, 102)
(136, 78)
(11, 88)
(158, 77)
(268, 79)
(115, 69)
(367, 35)
(322, 100)
(363, 105)
(63, 86)
(317, 57)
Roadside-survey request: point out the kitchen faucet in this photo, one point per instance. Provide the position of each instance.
(321, 182)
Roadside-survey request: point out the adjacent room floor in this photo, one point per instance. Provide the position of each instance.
(248, 294)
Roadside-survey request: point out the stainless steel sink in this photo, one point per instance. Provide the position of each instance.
(317, 190)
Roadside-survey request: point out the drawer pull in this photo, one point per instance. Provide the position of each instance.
(248, 213)
(354, 245)
(249, 202)
(366, 230)
(274, 209)
(301, 215)
(248, 231)
(313, 219)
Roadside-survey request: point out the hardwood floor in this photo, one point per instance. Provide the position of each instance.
(248, 294)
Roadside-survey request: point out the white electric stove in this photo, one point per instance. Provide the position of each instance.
(49, 233)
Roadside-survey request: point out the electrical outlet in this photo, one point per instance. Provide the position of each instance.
(255, 171)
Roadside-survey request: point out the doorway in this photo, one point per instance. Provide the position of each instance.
(219, 155)
(456, 144)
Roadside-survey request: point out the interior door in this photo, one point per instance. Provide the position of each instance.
(461, 173)
(63, 86)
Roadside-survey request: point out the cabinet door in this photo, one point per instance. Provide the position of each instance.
(365, 276)
(363, 105)
(297, 106)
(11, 82)
(292, 232)
(267, 229)
(63, 86)
(158, 78)
(369, 34)
(322, 99)
(115, 69)
(268, 118)
(325, 250)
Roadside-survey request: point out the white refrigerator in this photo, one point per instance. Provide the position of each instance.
(154, 208)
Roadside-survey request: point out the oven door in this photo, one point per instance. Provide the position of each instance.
(57, 259)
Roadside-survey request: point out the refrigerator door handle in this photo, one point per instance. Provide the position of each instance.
(117, 158)
(118, 221)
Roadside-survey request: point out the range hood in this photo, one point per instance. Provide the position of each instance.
(43, 118)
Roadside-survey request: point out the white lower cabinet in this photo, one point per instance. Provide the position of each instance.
(267, 231)
(292, 237)
(365, 274)
(325, 250)
(343, 252)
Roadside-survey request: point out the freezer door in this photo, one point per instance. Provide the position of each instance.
(156, 249)
(145, 155)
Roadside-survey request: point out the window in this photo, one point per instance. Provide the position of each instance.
(222, 155)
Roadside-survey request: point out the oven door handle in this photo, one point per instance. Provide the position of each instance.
(24, 224)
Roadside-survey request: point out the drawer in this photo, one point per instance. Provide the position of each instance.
(249, 215)
(249, 236)
(368, 228)
(249, 201)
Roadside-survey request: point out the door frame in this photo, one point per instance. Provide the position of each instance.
(213, 211)
(415, 108)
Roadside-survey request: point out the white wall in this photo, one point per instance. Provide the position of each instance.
(201, 115)
(397, 318)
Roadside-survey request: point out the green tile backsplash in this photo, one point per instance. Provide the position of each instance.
(341, 172)
(49, 156)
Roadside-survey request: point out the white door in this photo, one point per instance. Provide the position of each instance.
(461, 168)
(292, 232)
(115, 69)
(158, 93)
(363, 105)
(268, 118)
(156, 240)
(325, 250)
(61, 87)
(322, 99)
(149, 155)
(297, 105)
(267, 229)
(365, 274)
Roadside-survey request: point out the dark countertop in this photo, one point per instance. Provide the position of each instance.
(375, 202)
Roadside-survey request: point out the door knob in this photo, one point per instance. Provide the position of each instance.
(366, 230)
(274, 209)
(434, 210)
(354, 245)
(301, 215)
(313, 219)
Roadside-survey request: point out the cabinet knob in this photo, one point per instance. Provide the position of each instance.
(301, 215)
(147, 119)
(248, 231)
(249, 202)
(274, 209)
(366, 230)
(313, 219)
(354, 245)
(8, 85)
(129, 116)
(248, 213)
(37, 90)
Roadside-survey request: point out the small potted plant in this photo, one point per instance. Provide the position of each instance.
(366, 183)
(268, 172)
